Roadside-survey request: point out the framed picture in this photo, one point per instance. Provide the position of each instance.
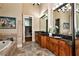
(7, 22)
(66, 26)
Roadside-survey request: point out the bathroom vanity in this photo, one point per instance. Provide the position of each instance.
(56, 44)
(77, 46)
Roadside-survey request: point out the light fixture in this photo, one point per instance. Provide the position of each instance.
(68, 6)
(36, 3)
(59, 10)
(65, 8)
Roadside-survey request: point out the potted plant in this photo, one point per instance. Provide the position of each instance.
(77, 33)
(54, 30)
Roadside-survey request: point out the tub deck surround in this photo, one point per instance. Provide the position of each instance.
(9, 49)
(4, 44)
(32, 49)
(6, 36)
(8, 44)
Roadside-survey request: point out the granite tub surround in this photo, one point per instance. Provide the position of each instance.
(9, 44)
(32, 49)
(9, 50)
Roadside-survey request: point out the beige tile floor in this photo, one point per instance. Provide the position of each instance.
(32, 49)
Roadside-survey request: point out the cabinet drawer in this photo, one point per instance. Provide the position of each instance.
(77, 51)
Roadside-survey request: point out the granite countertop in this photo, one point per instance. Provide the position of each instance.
(69, 42)
(65, 38)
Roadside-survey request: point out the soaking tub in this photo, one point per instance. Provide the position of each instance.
(4, 44)
(7, 47)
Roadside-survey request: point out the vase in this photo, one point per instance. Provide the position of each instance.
(50, 34)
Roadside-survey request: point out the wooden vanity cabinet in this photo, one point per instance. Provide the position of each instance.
(39, 39)
(77, 51)
(64, 48)
(43, 41)
(57, 46)
(54, 45)
(36, 37)
(48, 43)
(77, 46)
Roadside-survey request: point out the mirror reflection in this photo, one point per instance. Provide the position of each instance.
(44, 22)
(62, 20)
(77, 30)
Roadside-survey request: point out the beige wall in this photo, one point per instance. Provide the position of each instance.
(42, 24)
(77, 18)
(17, 10)
(20, 10)
(32, 10)
(48, 7)
(13, 10)
(43, 7)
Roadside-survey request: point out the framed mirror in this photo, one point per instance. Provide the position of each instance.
(44, 22)
(62, 19)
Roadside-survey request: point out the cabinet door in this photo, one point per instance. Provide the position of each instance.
(39, 39)
(51, 45)
(54, 45)
(77, 46)
(68, 50)
(77, 51)
(48, 43)
(64, 48)
(56, 49)
(36, 38)
(62, 52)
(43, 41)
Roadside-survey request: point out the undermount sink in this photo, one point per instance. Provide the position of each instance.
(57, 37)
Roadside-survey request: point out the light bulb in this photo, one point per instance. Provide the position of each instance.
(59, 10)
